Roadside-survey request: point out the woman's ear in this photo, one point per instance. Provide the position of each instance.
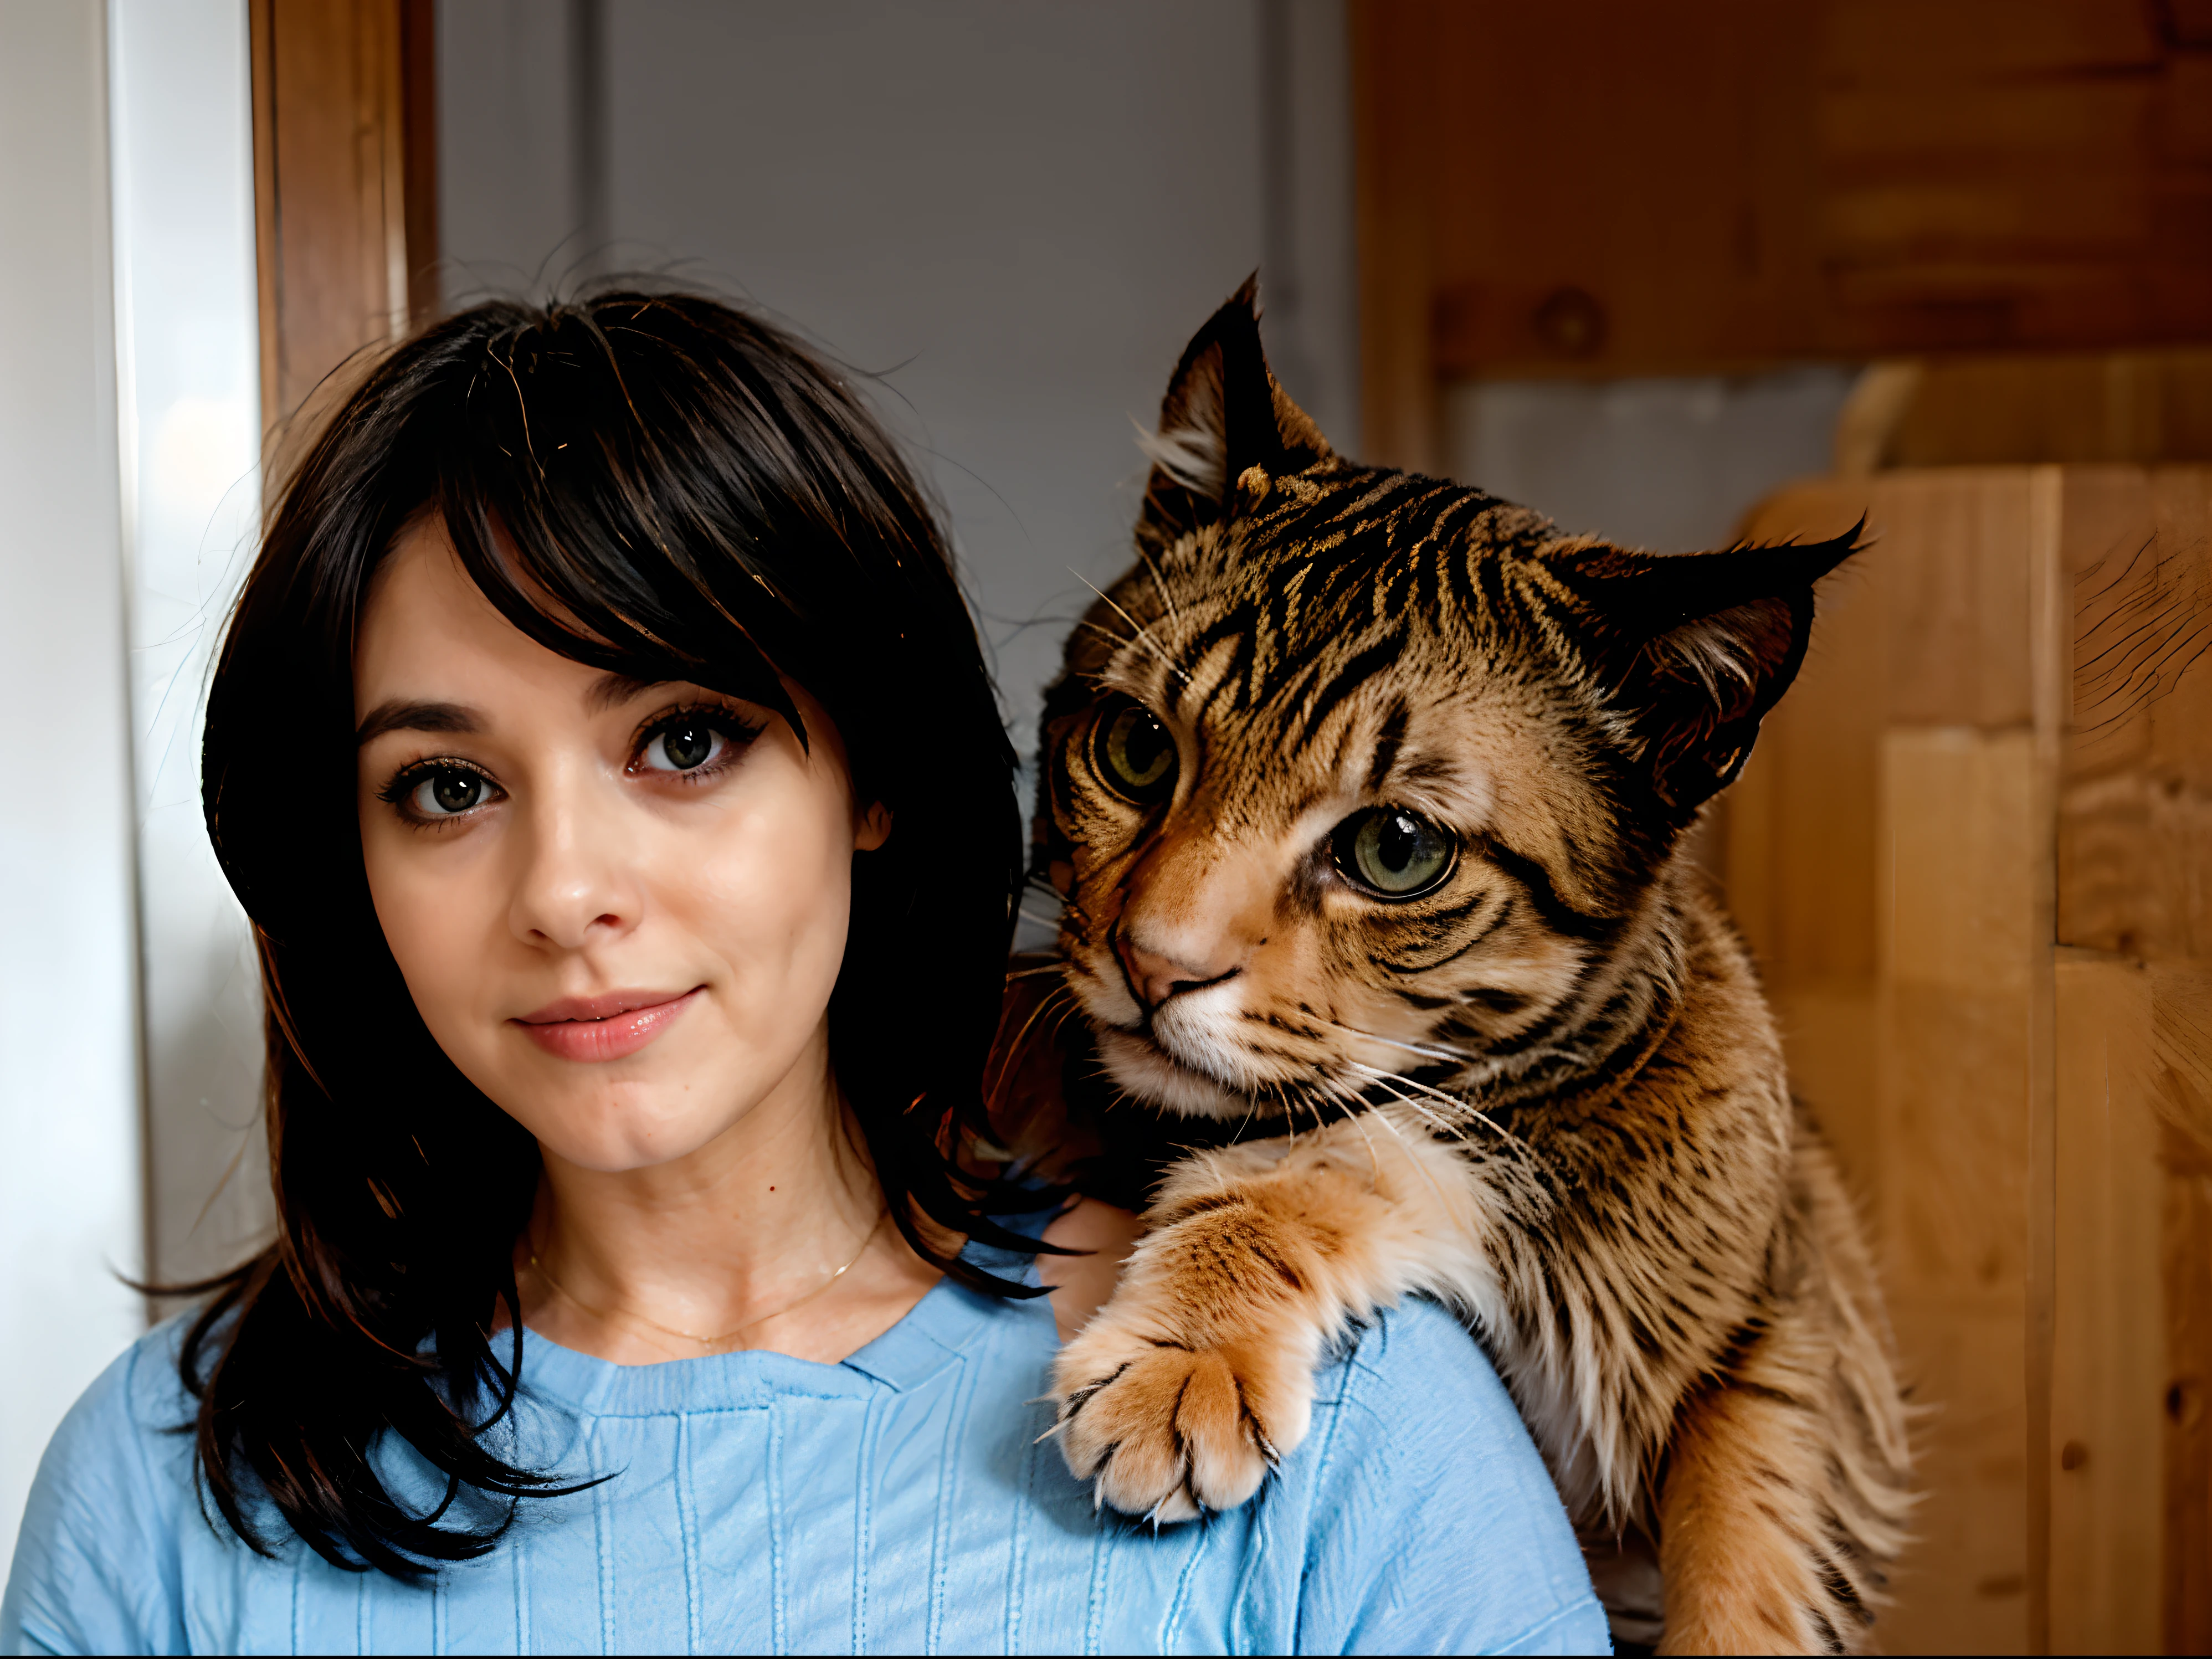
(874, 828)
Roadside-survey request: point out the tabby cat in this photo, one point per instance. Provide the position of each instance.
(1365, 794)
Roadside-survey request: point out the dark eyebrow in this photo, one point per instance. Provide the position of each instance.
(608, 691)
(611, 691)
(396, 716)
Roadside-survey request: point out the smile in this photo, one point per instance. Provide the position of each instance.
(591, 1028)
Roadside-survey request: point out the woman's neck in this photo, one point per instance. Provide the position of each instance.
(773, 1235)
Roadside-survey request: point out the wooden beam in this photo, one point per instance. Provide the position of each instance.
(419, 77)
(1606, 187)
(346, 205)
(1393, 123)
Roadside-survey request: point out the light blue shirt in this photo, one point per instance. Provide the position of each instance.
(897, 1503)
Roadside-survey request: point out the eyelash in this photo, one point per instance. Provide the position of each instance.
(405, 781)
(718, 717)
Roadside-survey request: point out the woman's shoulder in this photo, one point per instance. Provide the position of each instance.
(142, 1393)
(1433, 1515)
(133, 1421)
(1413, 1374)
(96, 1562)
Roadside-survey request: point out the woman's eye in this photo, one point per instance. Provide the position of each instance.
(1134, 754)
(448, 792)
(683, 747)
(1393, 853)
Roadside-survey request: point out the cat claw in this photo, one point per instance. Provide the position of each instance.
(1167, 1432)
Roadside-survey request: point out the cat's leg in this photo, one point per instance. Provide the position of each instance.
(1787, 1482)
(1187, 1386)
(1740, 1531)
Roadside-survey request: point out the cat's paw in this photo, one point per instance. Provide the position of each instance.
(1168, 1432)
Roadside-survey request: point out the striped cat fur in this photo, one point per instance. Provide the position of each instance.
(1364, 794)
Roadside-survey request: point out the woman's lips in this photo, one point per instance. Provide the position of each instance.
(605, 1027)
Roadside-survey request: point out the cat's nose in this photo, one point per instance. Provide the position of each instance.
(1154, 978)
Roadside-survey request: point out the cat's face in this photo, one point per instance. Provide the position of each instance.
(1352, 782)
(1316, 814)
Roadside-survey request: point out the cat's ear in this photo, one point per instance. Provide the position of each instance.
(1695, 649)
(1223, 416)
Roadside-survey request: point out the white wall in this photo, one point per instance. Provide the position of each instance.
(1016, 213)
(70, 1192)
(1672, 465)
(512, 143)
(181, 121)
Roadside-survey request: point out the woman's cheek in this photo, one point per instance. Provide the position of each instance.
(775, 896)
(433, 922)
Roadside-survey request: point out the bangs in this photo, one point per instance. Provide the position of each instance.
(631, 513)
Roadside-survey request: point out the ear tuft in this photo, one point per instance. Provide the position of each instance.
(1705, 687)
(1223, 415)
(1192, 457)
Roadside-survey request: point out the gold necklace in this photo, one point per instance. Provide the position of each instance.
(540, 1269)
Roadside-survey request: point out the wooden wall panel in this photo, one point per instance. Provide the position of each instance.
(2109, 1371)
(1998, 753)
(1952, 1038)
(2186, 1278)
(1881, 861)
(2135, 826)
(2139, 406)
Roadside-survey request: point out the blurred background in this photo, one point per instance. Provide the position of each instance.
(1670, 274)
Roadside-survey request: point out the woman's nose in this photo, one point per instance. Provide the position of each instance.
(577, 885)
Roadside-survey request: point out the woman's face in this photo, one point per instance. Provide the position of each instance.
(620, 908)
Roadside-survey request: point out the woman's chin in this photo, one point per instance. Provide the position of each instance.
(622, 1143)
(616, 1125)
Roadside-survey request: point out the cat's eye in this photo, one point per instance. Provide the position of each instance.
(1394, 853)
(1133, 753)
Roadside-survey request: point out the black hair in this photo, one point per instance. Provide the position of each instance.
(660, 485)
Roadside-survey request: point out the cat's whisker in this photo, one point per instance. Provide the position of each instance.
(1376, 1074)
(1399, 1043)
(1359, 1120)
(1428, 1174)
(1427, 1114)
(1460, 1106)
(1142, 632)
(1014, 1048)
(1103, 633)
(1468, 1113)
(1066, 1013)
(1465, 1112)
(1153, 571)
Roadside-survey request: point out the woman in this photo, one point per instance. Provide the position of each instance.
(605, 759)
